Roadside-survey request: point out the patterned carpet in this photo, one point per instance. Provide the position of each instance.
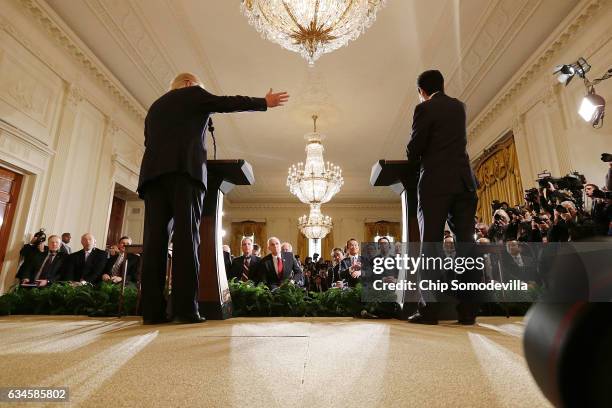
(269, 362)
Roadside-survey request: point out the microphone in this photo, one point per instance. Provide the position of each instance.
(211, 129)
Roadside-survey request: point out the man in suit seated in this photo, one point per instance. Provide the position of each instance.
(244, 267)
(333, 273)
(519, 265)
(113, 271)
(45, 267)
(86, 266)
(277, 266)
(350, 267)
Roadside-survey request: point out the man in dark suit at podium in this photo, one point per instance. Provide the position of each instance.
(173, 183)
(447, 186)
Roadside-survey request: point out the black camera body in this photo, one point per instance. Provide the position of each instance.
(40, 237)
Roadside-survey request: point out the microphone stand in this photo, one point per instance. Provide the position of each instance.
(211, 129)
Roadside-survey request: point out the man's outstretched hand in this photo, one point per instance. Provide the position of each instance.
(276, 99)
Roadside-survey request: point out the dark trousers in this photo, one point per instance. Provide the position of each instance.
(173, 207)
(434, 211)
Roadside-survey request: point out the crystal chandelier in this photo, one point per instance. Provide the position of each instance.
(315, 225)
(314, 182)
(311, 27)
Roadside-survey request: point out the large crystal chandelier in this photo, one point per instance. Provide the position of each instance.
(315, 225)
(311, 27)
(314, 182)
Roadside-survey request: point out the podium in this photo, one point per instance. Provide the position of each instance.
(214, 297)
(402, 176)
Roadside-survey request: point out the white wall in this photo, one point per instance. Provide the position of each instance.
(542, 113)
(66, 124)
(281, 219)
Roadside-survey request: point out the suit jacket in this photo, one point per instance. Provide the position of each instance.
(236, 270)
(344, 270)
(438, 142)
(90, 271)
(333, 274)
(291, 270)
(175, 131)
(132, 269)
(55, 271)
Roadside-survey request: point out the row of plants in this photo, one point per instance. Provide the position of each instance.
(248, 299)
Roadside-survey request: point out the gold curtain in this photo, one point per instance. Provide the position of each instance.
(372, 229)
(245, 229)
(499, 178)
(327, 245)
(301, 248)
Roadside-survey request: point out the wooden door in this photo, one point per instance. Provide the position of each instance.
(10, 185)
(116, 221)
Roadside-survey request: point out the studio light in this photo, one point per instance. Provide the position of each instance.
(592, 109)
(593, 106)
(565, 73)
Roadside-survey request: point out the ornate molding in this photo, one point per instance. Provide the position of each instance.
(131, 34)
(62, 36)
(534, 67)
(74, 95)
(25, 149)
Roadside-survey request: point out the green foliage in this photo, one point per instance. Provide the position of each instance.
(248, 299)
(64, 299)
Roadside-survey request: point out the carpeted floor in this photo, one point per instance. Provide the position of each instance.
(269, 362)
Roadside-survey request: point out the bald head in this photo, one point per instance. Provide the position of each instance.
(88, 241)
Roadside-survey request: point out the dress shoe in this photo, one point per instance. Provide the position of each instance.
(467, 321)
(159, 320)
(189, 319)
(421, 319)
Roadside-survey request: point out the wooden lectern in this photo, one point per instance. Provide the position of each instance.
(213, 294)
(402, 176)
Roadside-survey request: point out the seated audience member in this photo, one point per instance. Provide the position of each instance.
(384, 251)
(350, 267)
(518, 264)
(333, 274)
(482, 230)
(318, 284)
(256, 250)
(46, 267)
(86, 266)
(277, 267)
(244, 267)
(113, 271)
(66, 237)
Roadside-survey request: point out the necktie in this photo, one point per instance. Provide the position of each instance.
(44, 269)
(117, 265)
(245, 269)
(279, 268)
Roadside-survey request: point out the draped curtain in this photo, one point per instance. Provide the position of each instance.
(248, 229)
(327, 245)
(499, 178)
(382, 228)
(301, 248)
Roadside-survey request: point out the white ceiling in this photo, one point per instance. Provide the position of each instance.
(363, 93)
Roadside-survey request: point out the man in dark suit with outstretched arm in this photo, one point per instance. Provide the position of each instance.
(172, 184)
(447, 186)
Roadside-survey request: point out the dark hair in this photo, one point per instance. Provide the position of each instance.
(431, 81)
